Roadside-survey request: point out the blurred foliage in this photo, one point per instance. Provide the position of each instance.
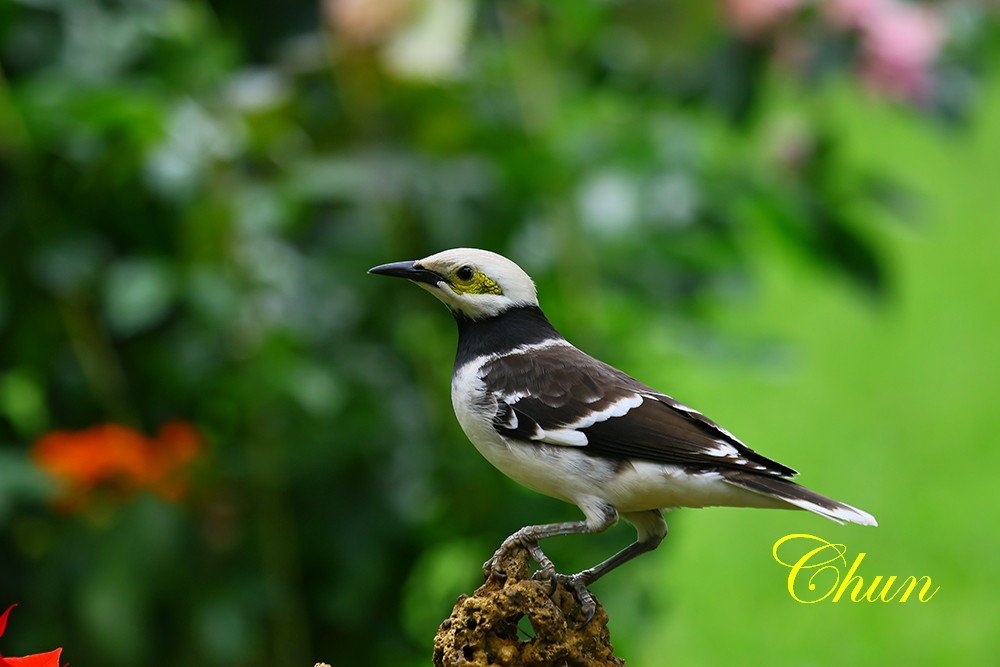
(191, 191)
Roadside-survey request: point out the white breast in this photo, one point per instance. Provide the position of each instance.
(555, 471)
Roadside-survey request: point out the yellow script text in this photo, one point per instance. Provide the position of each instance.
(820, 571)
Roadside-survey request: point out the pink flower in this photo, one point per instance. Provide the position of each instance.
(853, 14)
(899, 41)
(900, 44)
(905, 35)
(367, 21)
(753, 18)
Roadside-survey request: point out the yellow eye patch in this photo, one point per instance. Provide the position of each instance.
(480, 283)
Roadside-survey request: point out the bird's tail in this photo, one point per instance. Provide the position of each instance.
(799, 496)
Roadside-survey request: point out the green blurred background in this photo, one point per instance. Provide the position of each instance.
(781, 212)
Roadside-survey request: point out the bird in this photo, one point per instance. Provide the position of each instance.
(570, 426)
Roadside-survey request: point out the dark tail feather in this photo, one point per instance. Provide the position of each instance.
(799, 496)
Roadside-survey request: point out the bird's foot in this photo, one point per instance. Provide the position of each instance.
(546, 570)
(493, 567)
(577, 583)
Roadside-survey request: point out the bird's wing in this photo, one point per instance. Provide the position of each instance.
(559, 395)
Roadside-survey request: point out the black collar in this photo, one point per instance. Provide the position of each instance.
(521, 325)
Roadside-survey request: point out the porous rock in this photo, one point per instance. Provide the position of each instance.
(482, 630)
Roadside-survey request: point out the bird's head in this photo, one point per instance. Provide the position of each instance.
(474, 283)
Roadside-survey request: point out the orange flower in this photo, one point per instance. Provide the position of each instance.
(119, 457)
(103, 453)
(176, 445)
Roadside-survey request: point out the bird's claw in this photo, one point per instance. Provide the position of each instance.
(493, 567)
(578, 585)
(546, 570)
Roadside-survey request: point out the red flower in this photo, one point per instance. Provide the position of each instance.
(119, 458)
(50, 659)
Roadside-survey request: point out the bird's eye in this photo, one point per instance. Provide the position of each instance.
(464, 273)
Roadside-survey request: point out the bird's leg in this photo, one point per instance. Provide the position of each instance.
(599, 517)
(651, 529)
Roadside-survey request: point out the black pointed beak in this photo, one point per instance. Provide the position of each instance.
(408, 270)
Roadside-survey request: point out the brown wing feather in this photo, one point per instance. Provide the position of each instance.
(568, 387)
